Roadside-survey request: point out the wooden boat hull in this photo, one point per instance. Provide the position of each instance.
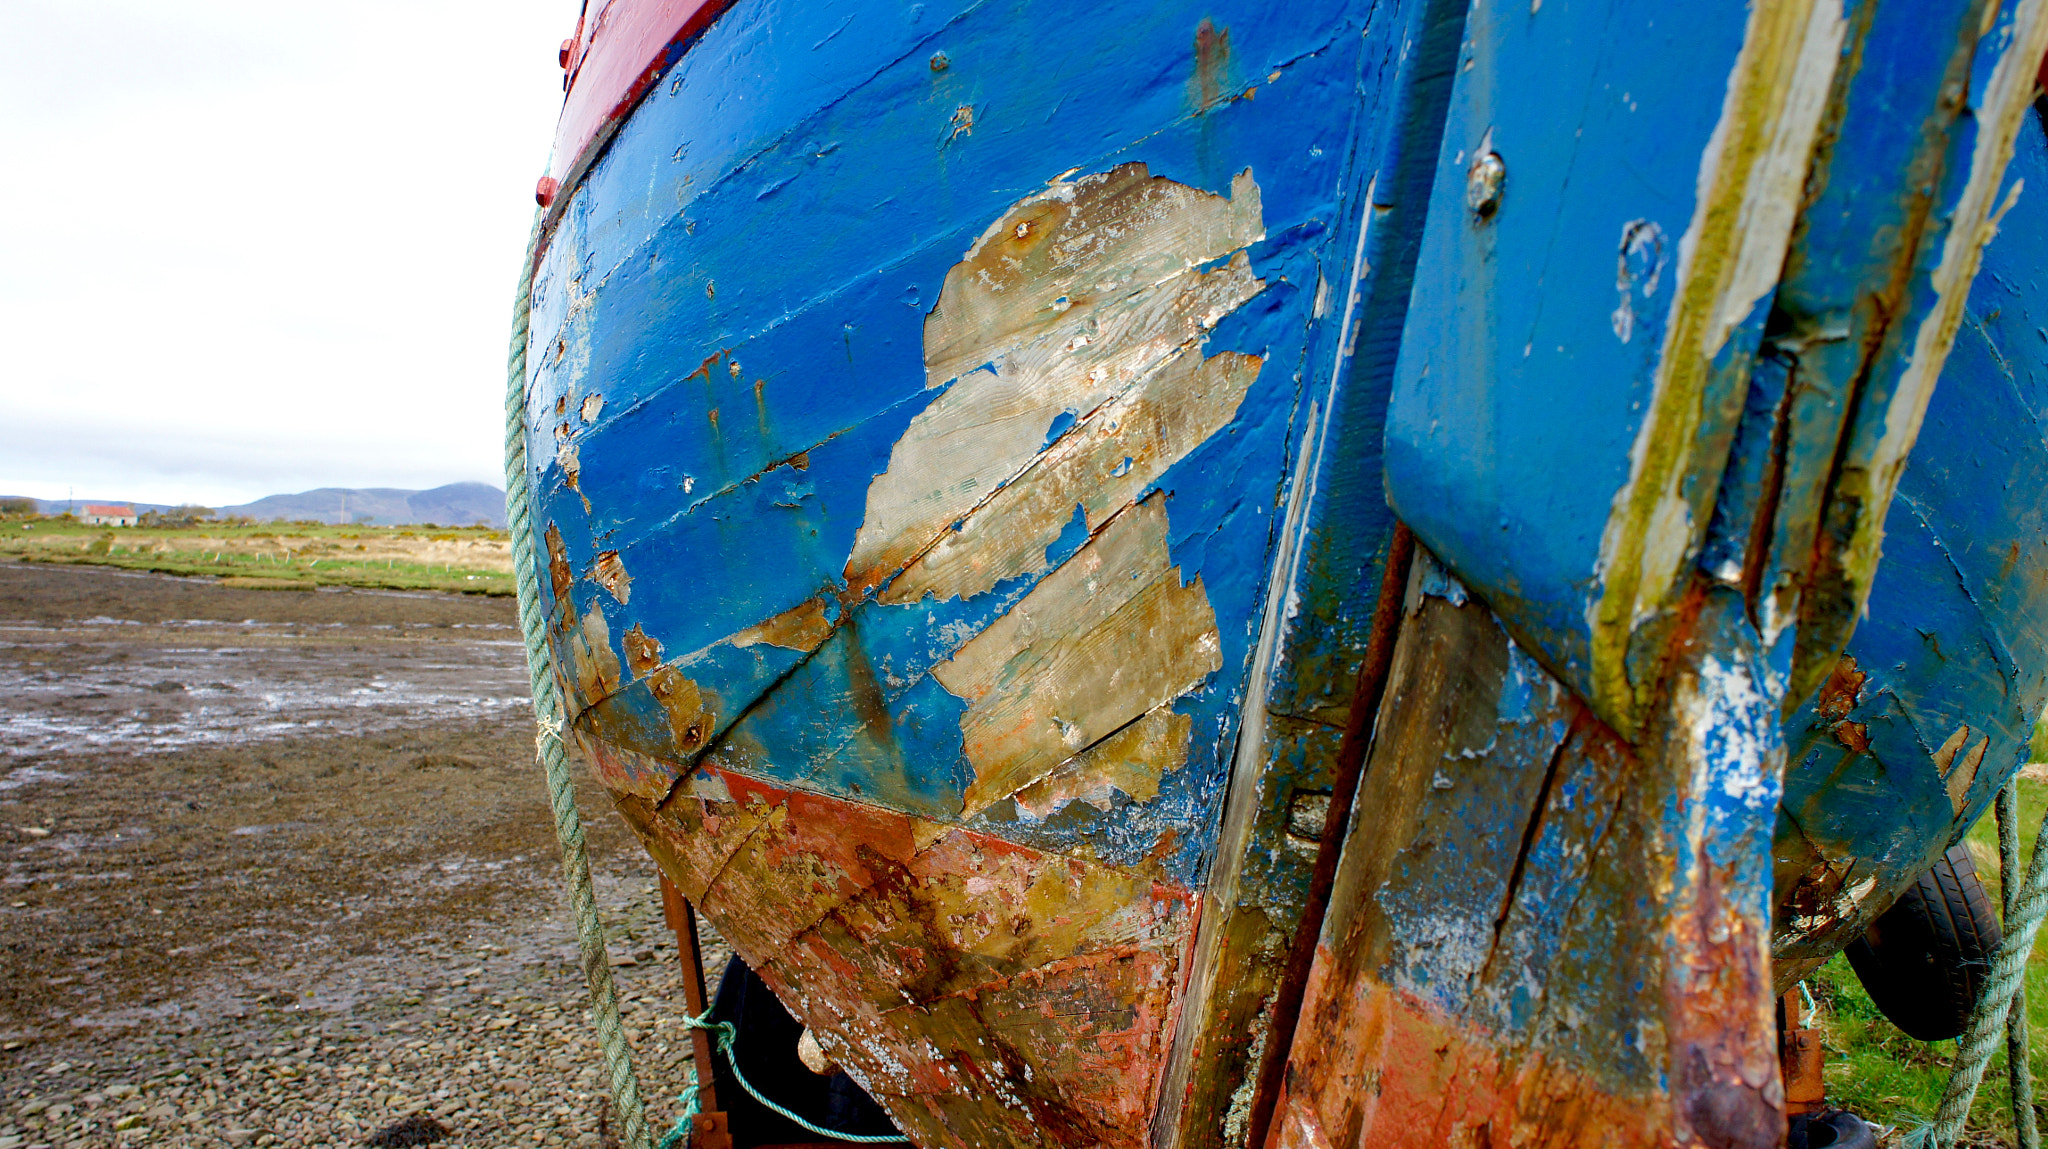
(970, 443)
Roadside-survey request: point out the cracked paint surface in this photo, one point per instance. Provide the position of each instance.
(944, 569)
(945, 968)
(991, 618)
(1941, 686)
(1082, 302)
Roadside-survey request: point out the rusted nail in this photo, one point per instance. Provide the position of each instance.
(562, 55)
(939, 62)
(1483, 182)
(544, 191)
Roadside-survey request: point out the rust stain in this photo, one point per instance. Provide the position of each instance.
(1078, 295)
(802, 627)
(643, 654)
(1854, 735)
(610, 573)
(703, 370)
(1212, 61)
(1105, 638)
(1724, 1076)
(559, 576)
(1102, 465)
(1842, 691)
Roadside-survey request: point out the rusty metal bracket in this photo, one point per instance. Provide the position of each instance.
(709, 1131)
(1801, 1057)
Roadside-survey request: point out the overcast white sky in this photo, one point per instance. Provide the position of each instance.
(256, 247)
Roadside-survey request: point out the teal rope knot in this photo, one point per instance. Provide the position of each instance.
(727, 1042)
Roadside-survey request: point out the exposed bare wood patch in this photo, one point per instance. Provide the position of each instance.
(1945, 754)
(1105, 462)
(595, 664)
(610, 573)
(691, 716)
(643, 653)
(560, 578)
(1964, 773)
(802, 627)
(1102, 640)
(1130, 762)
(1080, 294)
(1091, 241)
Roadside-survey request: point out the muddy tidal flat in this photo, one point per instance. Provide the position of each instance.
(276, 868)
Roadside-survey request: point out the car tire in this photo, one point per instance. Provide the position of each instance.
(1924, 961)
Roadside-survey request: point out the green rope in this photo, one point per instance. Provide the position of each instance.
(549, 718)
(728, 1039)
(2017, 1071)
(2027, 903)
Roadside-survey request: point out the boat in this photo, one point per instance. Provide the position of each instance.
(1294, 575)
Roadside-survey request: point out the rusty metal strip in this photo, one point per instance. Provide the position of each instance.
(709, 1131)
(1358, 730)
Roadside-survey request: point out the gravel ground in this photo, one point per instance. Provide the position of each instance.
(344, 915)
(495, 1047)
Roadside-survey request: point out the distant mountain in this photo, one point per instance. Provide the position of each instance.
(59, 506)
(455, 505)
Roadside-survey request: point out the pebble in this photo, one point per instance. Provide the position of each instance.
(511, 1059)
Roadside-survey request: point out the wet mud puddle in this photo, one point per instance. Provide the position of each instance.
(84, 686)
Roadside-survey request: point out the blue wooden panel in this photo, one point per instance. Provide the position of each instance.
(745, 280)
(1525, 369)
(1957, 633)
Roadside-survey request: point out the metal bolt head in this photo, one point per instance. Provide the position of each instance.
(544, 191)
(562, 55)
(940, 62)
(1484, 182)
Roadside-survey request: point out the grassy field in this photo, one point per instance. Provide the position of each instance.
(1891, 1079)
(284, 556)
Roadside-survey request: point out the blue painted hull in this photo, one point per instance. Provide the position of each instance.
(977, 447)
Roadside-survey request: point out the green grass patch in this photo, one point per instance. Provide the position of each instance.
(469, 560)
